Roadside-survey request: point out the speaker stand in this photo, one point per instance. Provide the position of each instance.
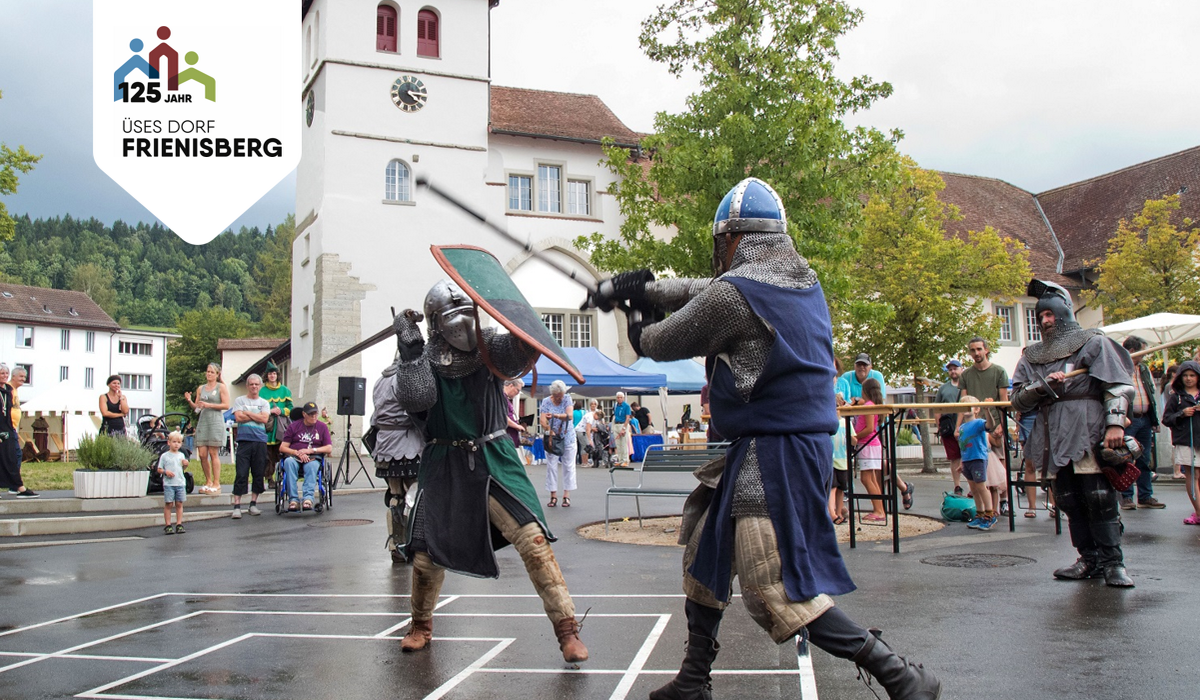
(343, 468)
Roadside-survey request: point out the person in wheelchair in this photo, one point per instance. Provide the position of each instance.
(305, 443)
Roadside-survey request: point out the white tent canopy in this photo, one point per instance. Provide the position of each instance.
(1157, 329)
(78, 409)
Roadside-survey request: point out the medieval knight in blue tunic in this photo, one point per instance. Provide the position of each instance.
(760, 514)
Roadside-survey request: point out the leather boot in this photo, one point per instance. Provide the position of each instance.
(567, 631)
(694, 680)
(1082, 569)
(426, 586)
(420, 636)
(902, 679)
(1116, 577)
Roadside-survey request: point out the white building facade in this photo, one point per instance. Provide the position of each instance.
(399, 90)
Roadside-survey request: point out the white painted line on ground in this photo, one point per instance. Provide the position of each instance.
(98, 692)
(59, 543)
(639, 659)
(467, 672)
(804, 665)
(85, 645)
(408, 618)
(84, 614)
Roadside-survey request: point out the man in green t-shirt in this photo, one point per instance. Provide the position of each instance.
(984, 381)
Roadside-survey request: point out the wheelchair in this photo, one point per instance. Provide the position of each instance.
(323, 493)
(152, 432)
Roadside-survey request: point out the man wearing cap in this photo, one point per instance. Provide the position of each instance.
(862, 372)
(948, 422)
(304, 443)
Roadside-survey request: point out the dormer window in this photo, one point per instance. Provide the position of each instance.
(72, 311)
(46, 308)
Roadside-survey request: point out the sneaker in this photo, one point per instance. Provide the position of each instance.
(28, 493)
(254, 509)
(986, 523)
(974, 524)
(1152, 502)
(1127, 504)
(169, 530)
(13, 491)
(179, 529)
(1003, 507)
(237, 514)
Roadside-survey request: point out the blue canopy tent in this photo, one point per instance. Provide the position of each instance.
(602, 376)
(683, 376)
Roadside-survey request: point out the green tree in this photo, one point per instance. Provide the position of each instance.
(918, 294)
(1152, 265)
(770, 106)
(188, 356)
(10, 162)
(96, 282)
(271, 293)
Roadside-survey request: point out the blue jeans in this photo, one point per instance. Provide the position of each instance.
(291, 466)
(1140, 429)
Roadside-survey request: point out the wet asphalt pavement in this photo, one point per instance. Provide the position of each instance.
(277, 607)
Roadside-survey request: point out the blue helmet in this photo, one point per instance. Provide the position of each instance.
(751, 206)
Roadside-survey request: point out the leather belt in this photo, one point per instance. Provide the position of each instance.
(470, 445)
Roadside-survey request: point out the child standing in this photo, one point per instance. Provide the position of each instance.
(1182, 416)
(171, 464)
(973, 444)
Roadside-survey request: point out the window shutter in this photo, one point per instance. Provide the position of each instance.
(385, 28)
(427, 34)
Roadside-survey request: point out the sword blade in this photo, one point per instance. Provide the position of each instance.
(354, 350)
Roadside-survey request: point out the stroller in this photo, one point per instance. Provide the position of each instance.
(152, 434)
(601, 450)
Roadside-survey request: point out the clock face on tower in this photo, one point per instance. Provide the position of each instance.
(409, 93)
(309, 106)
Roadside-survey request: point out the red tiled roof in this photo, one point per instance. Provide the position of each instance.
(1085, 214)
(561, 115)
(985, 201)
(249, 343)
(52, 307)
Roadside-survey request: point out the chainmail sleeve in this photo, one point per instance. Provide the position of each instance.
(416, 388)
(508, 353)
(1024, 397)
(672, 294)
(711, 323)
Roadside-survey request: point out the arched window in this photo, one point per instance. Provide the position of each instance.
(397, 185)
(427, 34)
(308, 52)
(385, 28)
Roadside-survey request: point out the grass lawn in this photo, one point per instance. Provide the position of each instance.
(58, 476)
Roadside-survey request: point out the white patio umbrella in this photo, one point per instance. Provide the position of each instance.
(1157, 329)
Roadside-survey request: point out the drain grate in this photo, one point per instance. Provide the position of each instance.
(978, 561)
(345, 522)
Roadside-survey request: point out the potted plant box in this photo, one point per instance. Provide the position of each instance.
(112, 467)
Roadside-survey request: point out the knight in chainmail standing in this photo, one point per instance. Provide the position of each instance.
(1074, 414)
(397, 453)
(473, 495)
(764, 327)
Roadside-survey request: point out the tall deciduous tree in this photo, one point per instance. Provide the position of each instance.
(769, 106)
(96, 282)
(272, 293)
(1152, 265)
(10, 163)
(918, 294)
(190, 354)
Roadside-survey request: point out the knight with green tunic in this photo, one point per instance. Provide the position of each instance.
(473, 496)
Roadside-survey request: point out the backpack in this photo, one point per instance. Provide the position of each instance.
(958, 508)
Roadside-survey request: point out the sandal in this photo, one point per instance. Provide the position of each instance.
(1052, 511)
(566, 502)
(906, 496)
(872, 518)
(307, 504)
(1192, 519)
(839, 520)
(553, 502)
(293, 507)
(1030, 514)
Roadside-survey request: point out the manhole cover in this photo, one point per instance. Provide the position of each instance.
(345, 522)
(978, 561)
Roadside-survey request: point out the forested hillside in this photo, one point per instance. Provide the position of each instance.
(146, 275)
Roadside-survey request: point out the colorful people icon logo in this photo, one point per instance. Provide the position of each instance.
(210, 84)
(135, 62)
(164, 50)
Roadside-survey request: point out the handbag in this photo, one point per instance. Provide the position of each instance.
(946, 425)
(281, 421)
(553, 444)
(1121, 477)
(369, 438)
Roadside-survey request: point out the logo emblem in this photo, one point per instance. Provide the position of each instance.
(409, 93)
(195, 156)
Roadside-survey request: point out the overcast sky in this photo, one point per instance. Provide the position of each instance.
(1040, 94)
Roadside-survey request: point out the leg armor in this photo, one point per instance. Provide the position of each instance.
(427, 581)
(760, 573)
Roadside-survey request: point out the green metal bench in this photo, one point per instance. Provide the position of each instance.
(662, 459)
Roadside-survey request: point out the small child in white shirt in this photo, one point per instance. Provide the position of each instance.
(172, 464)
